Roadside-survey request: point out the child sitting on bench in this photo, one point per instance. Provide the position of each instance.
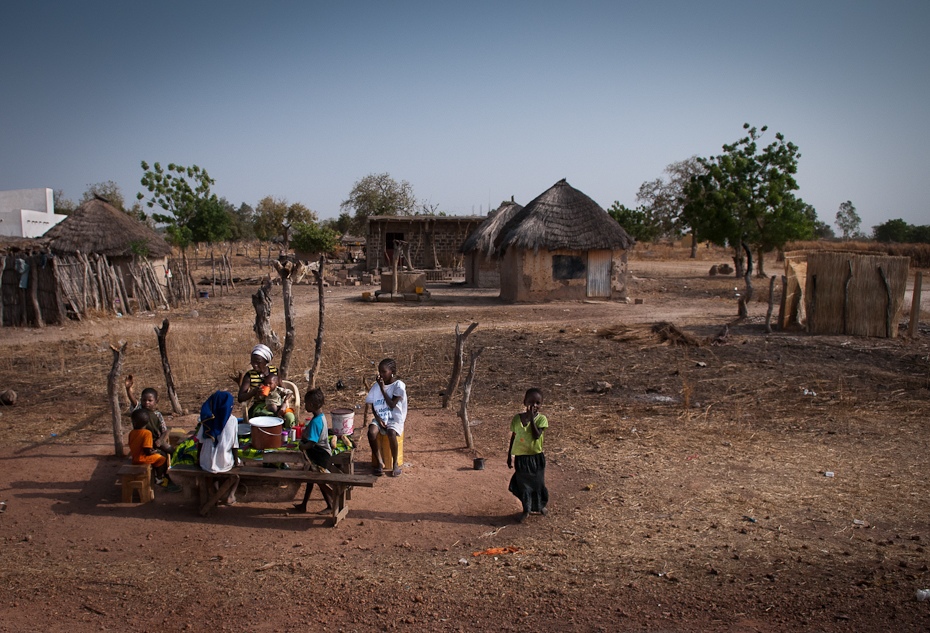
(140, 445)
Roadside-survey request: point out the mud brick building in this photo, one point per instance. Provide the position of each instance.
(434, 241)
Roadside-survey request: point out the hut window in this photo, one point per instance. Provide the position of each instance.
(567, 267)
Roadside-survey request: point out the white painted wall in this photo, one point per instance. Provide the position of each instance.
(27, 212)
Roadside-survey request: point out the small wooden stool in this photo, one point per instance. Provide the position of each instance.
(136, 478)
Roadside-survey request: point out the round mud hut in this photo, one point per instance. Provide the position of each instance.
(482, 267)
(562, 246)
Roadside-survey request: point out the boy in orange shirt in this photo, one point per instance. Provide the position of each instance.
(140, 446)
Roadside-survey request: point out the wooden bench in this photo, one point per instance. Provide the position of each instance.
(210, 495)
(136, 478)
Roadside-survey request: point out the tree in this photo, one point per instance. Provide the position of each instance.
(242, 222)
(108, 190)
(341, 225)
(891, 231)
(310, 237)
(274, 217)
(379, 194)
(848, 220)
(639, 222)
(664, 199)
(178, 190)
(747, 196)
(63, 205)
(211, 222)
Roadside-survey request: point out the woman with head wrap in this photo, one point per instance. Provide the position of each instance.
(250, 385)
(217, 438)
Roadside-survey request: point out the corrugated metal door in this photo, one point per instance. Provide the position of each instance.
(599, 274)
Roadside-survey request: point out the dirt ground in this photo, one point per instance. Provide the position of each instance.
(774, 482)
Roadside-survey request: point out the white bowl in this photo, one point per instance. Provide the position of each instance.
(264, 421)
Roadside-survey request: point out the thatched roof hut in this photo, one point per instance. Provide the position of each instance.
(562, 245)
(99, 227)
(482, 269)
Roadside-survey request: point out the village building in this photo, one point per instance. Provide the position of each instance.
(99, 228)
(562, 245)
(482, 267)
(27, 212)
(99, 259)
(432, 242)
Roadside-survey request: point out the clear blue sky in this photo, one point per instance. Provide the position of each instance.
(471, 102)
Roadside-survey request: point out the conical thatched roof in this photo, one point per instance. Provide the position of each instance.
(563, 217)
(99, 227)
(482, 239)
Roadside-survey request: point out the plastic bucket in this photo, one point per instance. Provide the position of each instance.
(245, 429)
(479, 463)
(266, 432)
(343, 421)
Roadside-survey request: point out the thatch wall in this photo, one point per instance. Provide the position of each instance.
(846, 293)
(62, 287)
(22, 306)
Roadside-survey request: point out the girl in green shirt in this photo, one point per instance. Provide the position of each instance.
(526, 456)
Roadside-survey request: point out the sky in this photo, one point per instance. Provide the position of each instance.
(470, 102)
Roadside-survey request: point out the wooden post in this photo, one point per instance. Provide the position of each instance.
(34, 292)
(915, 304)
(768, 314)
(463, 411)
(881, 273)
(849, 276)
(162, 335)
(261, 301)
(318, 349)
(113, 393)
(287, 271)
(457, 362)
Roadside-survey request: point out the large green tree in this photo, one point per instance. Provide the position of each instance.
(275, 216)
(182, 192)
(379, 194)
(848, 220)
(746, 196)
(242, 222)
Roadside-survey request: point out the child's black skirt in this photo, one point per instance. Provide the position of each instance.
(528, 483)
(318, 456)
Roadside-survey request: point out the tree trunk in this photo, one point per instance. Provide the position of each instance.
(747, 278)
(318, 349)
(466, 395)
(261, 301)
(162, 335)
(760, 263)
(457, 362)
(287, 271)
(768, 315)
(694, 245)
(113, 393)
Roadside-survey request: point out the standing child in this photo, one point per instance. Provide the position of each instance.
(526, 456)
(388, 400)
(140, 445)
(149, 400)
(314, 441)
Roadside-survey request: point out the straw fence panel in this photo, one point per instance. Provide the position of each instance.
(854, 294)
